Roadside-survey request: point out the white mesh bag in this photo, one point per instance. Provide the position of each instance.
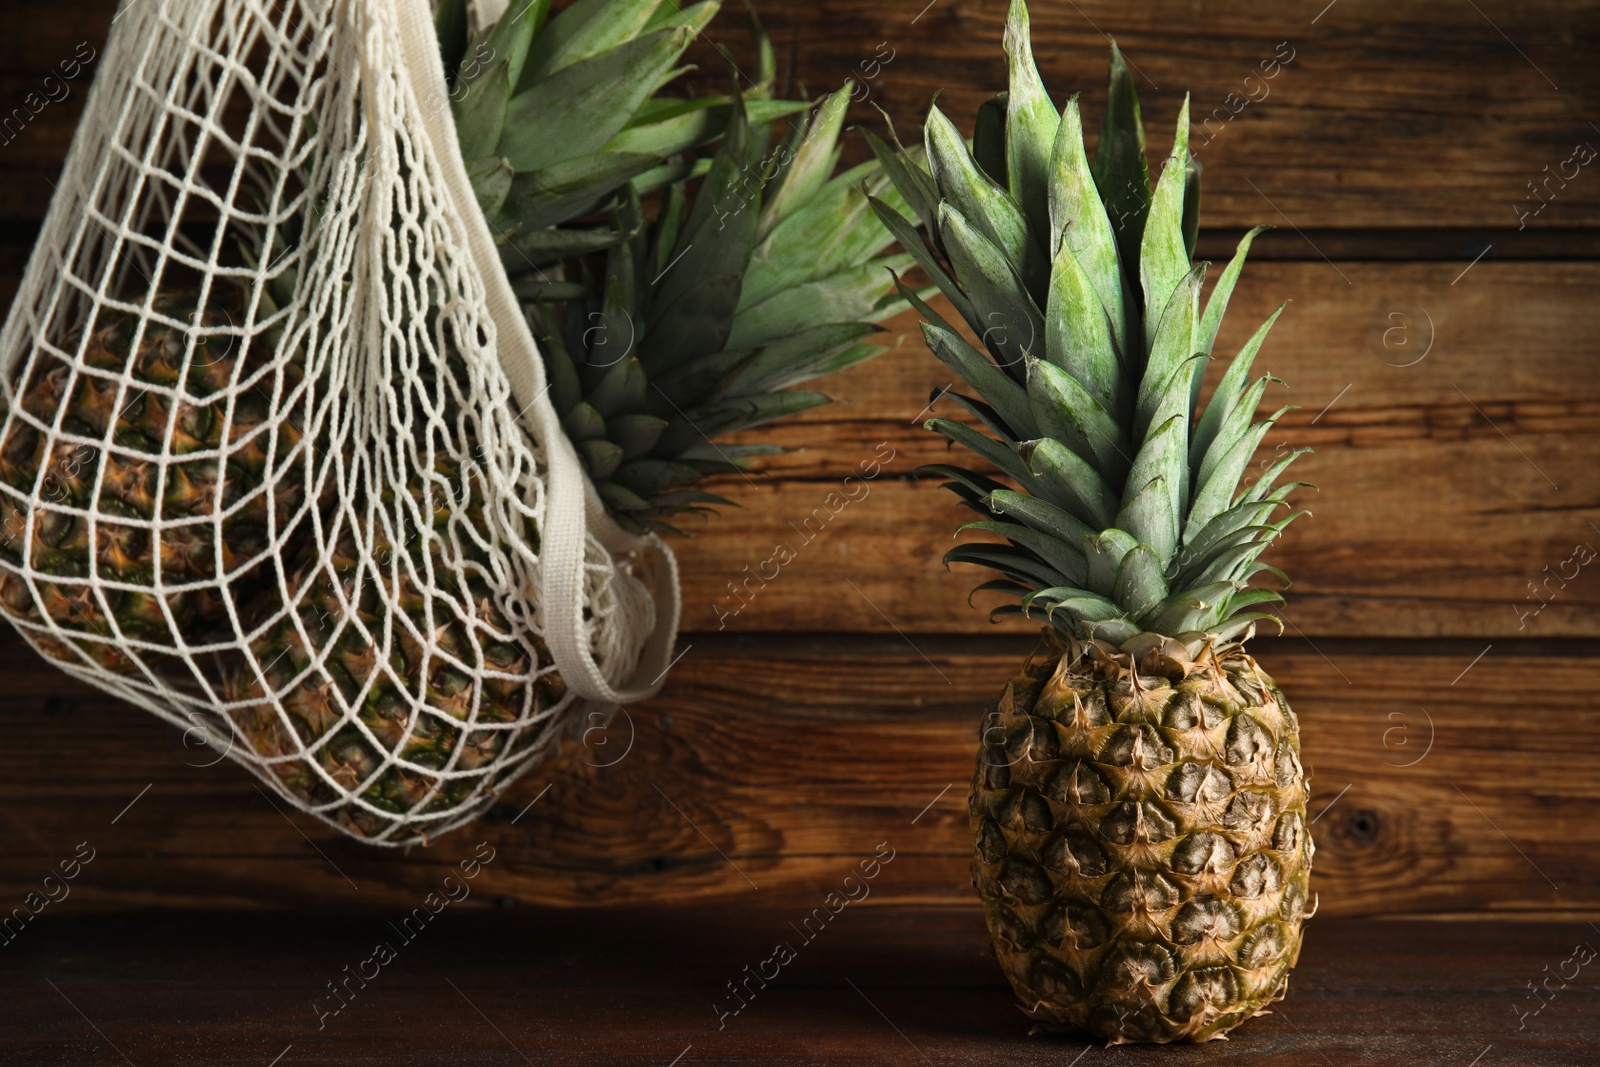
(276, 460)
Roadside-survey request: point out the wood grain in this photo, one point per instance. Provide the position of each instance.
(777, 763)
(1414, 113)
(878, 986)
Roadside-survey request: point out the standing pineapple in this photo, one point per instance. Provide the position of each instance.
(1138, 811)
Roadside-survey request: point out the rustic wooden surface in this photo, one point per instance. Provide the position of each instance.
(839, 702)
(770, 763)
(878, 986)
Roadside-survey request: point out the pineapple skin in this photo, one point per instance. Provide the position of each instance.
(342, 645)
(230, 461)
(1140, 841)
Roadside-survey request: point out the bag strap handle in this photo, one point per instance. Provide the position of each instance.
(573, 509)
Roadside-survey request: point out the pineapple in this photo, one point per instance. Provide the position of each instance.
(1138, 808)
(104, 456)
(343, 647)
(705, 317)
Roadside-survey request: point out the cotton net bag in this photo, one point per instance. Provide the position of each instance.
(277, 460)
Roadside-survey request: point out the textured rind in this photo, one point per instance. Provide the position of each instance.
(220, 443)
(1140, 841)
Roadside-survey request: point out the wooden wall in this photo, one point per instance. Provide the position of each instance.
(1443, 346)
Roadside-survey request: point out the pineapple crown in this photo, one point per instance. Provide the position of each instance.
(768, 275)
(758, 272)
(1076, 278)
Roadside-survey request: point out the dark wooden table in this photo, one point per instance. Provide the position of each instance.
(878, 985)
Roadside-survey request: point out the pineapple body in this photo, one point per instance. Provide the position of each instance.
(132, 403)
(387, 691)
(1140, 840)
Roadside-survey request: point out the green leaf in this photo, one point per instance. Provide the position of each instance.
(812, 163)
(1002, 392)
(584, 30)
(850, 294)
(569, 190)
(1104, 553)
(481, 112)
(1235, 426)
(720, 230)
(996, 453)
(1161, 458)
(981, 203)
(1012, 327)
(1148, 515)
(798, 358)
(600, 457)
(583, 423)
(1016, 563)
(1078, 335)
(575, 111)
(1258, 491)
(987, 415)
(1228, 390)
(1163, 257)
(1040, 515)
(701, 125)
(532, 249)
(913, 182)
(1031, 122)
(1202, 563)
(565, 390)
(979, 485)
(696, 323)
(530, 289)
(1120, 170)
(1190, 610)
(635, 434)
(1078, 221)
(1062, 558)
(1219, 482)
(1170, 351)
(1191, 205)
(1070, 483)
(1241, 516)
(621, 388)
(910, 296)
(648, 477)
(491, 183)
(619, 499)
(1241, 623)
(1139, 585)
(912, 242)
(1217, 304)
(835, 230)
(1064, 410)
(743, 413)
(1080, 604)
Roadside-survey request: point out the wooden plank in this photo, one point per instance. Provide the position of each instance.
(1378, 120)
(776, 763)
(876, 986)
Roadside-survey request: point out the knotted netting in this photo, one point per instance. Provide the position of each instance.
(276, 460)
